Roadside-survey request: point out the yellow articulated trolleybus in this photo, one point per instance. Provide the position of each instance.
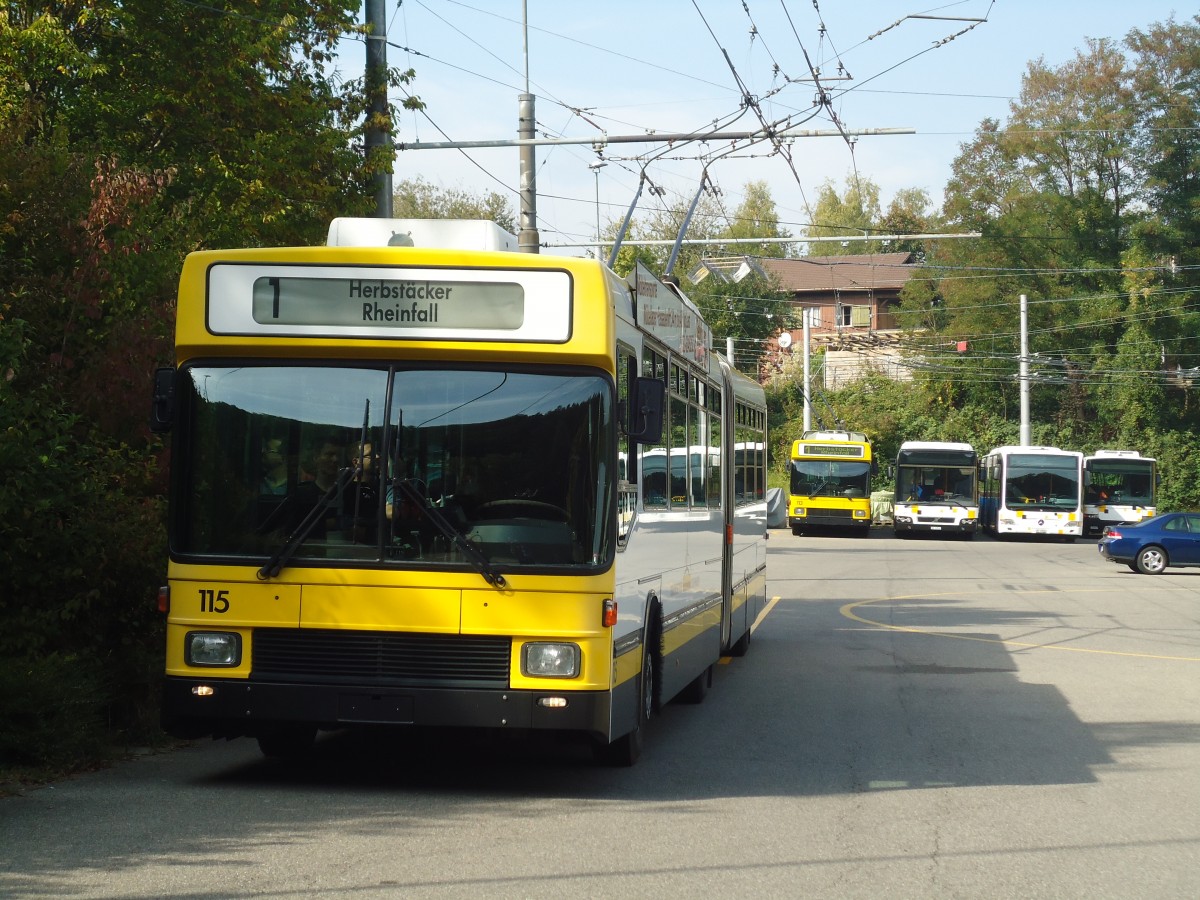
(831, 482)
(407, 490)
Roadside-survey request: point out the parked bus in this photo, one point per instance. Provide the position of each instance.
(936, 489)
(1032, 490)
(1120, 487)
(831, 482)
(407, 489)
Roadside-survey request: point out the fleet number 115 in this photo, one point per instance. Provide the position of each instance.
(214, 601)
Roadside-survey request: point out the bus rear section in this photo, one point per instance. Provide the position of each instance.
(936, 489)
(830, 482)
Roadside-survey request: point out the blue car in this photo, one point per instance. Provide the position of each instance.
(1149, 546)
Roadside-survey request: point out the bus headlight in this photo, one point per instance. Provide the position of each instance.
(212, 648)
(545, 660)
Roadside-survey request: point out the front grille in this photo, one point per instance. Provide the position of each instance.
(382, 658)
(833, 513)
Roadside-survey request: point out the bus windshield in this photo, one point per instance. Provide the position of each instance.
(1120, 481)
(1041, 482)
(936, 484)
(347, 463)
(830, 478)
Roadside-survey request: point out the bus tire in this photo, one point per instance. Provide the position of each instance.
(287, 741)
(741, 646)
(625, 750)
(697, 689)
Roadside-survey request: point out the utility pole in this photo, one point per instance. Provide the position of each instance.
(1026, 438)
(528, 238)
(378, 133)
(807, 314)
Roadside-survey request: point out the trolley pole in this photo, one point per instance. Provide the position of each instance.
(1026, 438)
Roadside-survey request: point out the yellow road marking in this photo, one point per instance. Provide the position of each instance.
(726, 660)
(762, 615)
(848, 612)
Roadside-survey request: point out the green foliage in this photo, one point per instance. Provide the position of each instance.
(52, 709)
(416, 198)
(113, 166)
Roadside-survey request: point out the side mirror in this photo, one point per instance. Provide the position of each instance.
(646, 405)
(162, 409)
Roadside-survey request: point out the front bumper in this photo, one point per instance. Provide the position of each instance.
(235, 707)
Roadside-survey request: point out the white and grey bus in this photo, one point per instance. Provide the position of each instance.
(936, 489)
(1032, 490)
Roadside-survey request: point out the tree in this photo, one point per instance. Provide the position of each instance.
(854, 213)
(908, 213)
(130, 134)
(1166, 92)
(416, 198)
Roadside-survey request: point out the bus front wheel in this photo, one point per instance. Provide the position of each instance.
(625, 750)
(287, 741)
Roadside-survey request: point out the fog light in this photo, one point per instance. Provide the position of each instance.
(553, 702)
(544, 660)
(202, 690)
(212, 648)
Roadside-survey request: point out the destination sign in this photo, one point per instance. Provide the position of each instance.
(389, 302)
(833, 450)
(672, 319)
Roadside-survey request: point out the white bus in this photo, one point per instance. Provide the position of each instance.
(1119, 488)
(936, 489)
(1032, 490)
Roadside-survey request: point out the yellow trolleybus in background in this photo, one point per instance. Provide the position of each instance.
(831, 482)
(406, 489)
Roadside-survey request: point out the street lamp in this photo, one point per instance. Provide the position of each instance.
(596, 167)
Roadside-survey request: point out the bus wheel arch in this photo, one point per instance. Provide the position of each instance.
(626, 749)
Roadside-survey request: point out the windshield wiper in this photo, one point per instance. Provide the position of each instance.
(275, 564)
(452, 533)
(281, 557)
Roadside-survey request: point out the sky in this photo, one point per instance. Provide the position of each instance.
(623, 68)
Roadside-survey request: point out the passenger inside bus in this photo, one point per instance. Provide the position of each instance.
(274, 468)
(318, 474)
(360, 500)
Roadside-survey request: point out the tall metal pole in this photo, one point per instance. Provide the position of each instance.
(1026, 438)
(528, 238)
(807, 314)
(378, 130)
(596, 167)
